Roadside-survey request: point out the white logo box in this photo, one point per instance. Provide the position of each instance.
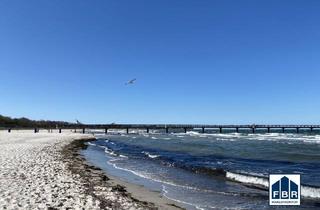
(284, 189)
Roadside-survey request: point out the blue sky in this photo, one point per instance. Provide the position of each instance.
(202, 61)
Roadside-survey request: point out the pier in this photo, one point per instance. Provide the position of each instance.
(167, 128)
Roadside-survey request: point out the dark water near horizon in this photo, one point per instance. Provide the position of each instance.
(212, 171)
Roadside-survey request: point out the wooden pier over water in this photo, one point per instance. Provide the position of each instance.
(167, 128)
(203, 128)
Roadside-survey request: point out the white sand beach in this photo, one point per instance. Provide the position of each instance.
(35, 175)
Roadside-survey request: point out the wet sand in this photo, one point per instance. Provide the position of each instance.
(97, 179)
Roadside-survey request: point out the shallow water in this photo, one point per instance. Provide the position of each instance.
(211, 171)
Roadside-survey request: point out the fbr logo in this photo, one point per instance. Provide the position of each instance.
(284, 189)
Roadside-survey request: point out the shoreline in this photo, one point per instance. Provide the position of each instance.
(99, 179)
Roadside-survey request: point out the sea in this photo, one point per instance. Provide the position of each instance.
(211, 170)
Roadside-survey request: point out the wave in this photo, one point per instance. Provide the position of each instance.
(253, 180)
(150, 155)
(110, 151)
(257, 181)
(288, 137)
(123, 156)
(96, 145)
(247, 179)
(310, 192)
(148, 176)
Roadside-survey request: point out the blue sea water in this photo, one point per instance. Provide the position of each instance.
(213, 170)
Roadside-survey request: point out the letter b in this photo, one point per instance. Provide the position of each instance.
(284, 194)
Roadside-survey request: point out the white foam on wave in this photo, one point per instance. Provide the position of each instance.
(150, 155)
(123, 156)
(247, 179)
(110, 162)
(223, 135)
(288, 138)
(225, 139)
(108, 141)
(194, 133)
(110, 151)
(310, 192)
(96, 145)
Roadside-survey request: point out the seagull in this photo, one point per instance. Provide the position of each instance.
(130, 82)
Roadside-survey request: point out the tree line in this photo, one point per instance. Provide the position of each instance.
(8, 122)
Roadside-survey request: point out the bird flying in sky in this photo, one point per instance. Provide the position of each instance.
(130, 82)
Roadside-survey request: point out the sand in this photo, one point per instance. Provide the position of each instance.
(45, 171)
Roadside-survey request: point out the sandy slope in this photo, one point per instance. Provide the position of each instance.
(33, 175)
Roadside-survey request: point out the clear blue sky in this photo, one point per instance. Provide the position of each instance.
(195, 61)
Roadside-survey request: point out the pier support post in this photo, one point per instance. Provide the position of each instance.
(202, 129)
(83, 130)
(237, 129)
(147, 130)
(59, 130)
(220, 129)
(9, 130)
(127, 130)
(282, 129)
(106, 130)
(35, 130)
(253, 130)
(167, 130)
(297, 130)
(311, 129)
(185, 130)
(268, 129)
